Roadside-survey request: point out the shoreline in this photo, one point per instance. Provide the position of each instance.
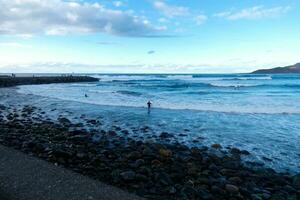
(10, 81)
(149, 169)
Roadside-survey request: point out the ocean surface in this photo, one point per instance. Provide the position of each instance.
(258, 113)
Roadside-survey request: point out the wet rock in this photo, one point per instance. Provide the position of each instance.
(165, 135)
(138, 163)
(78, 138)
(163, 178)
(244, 152)
(235, 151)
(165, 152)
(235, 180)
(128, 175)
(2, 107)
(92, 121)
(182, 135)
(296, 181)
(112, 133)
(134, 155)
(267, 159)
(216, 146)
(232, 189)
(64, 120)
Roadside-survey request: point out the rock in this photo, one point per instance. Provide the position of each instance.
(216, 146)
(236, 180)
(235, 151)
(165, 135)
(182, 135)
(163, 178)
(296, 181)
(134, 155)
(139, 163)
(62, 153)
(267, 159)
(78, 138)
(189, 192)
(156, 162)
(126, 132)
(244, 152)
(255, 197)
(92, 121)
(112, 133)
(64, 120)
(81, 155)
(216, 190)
(2, 107)
(128, 175)
(232, 189)
(165, 152)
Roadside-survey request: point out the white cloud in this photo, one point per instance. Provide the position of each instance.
(200, 19)
(29, 17)
(256, 12)
(170, 10)
(118, 3)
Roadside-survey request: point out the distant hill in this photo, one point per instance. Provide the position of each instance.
(293, 69)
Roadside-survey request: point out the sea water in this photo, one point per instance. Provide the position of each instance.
(258, 113)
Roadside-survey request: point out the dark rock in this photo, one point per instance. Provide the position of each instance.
(78, 138)
(163, 178)
(216, 146)
(244, 152)
(165, 135)
(235, 151)
(235, 180)
(296, 181)
(134, 155)
(232, 189)
(165, 152)
(64, 120)
(128, 175)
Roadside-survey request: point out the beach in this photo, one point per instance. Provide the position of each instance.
(152, 165)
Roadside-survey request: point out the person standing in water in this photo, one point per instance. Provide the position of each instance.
(149, 106)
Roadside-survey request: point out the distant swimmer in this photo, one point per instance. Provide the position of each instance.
(86, 95)
(149, 106)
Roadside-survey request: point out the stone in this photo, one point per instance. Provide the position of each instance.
(296, 181)
(128, 175)
(64, 120)
(165, 135)
(236, 180)
(232, 189)
(165, 152)
(216, 146)
(134, 155)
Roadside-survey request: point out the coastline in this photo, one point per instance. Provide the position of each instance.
(9, 81)
(149, 169)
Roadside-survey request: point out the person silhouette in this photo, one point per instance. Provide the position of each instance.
(149, 106)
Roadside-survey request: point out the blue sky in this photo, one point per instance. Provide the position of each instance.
(148, 36)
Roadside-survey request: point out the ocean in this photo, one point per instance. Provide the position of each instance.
(257, 113)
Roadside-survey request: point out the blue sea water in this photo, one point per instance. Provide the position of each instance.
(258, 113)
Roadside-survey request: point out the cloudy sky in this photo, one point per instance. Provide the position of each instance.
(148, 36)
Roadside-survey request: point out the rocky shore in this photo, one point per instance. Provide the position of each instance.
(8, 81)
(150, 169)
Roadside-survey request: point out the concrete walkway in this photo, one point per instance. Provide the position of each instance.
(23, 177)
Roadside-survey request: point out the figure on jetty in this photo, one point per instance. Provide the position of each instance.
(149, 106)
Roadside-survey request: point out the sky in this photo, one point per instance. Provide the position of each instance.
(148, 36)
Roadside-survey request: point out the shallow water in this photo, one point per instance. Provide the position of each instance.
(258, 113)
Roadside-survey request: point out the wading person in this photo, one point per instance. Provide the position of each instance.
(149, 106)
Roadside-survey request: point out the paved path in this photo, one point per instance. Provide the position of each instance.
(23, 177)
